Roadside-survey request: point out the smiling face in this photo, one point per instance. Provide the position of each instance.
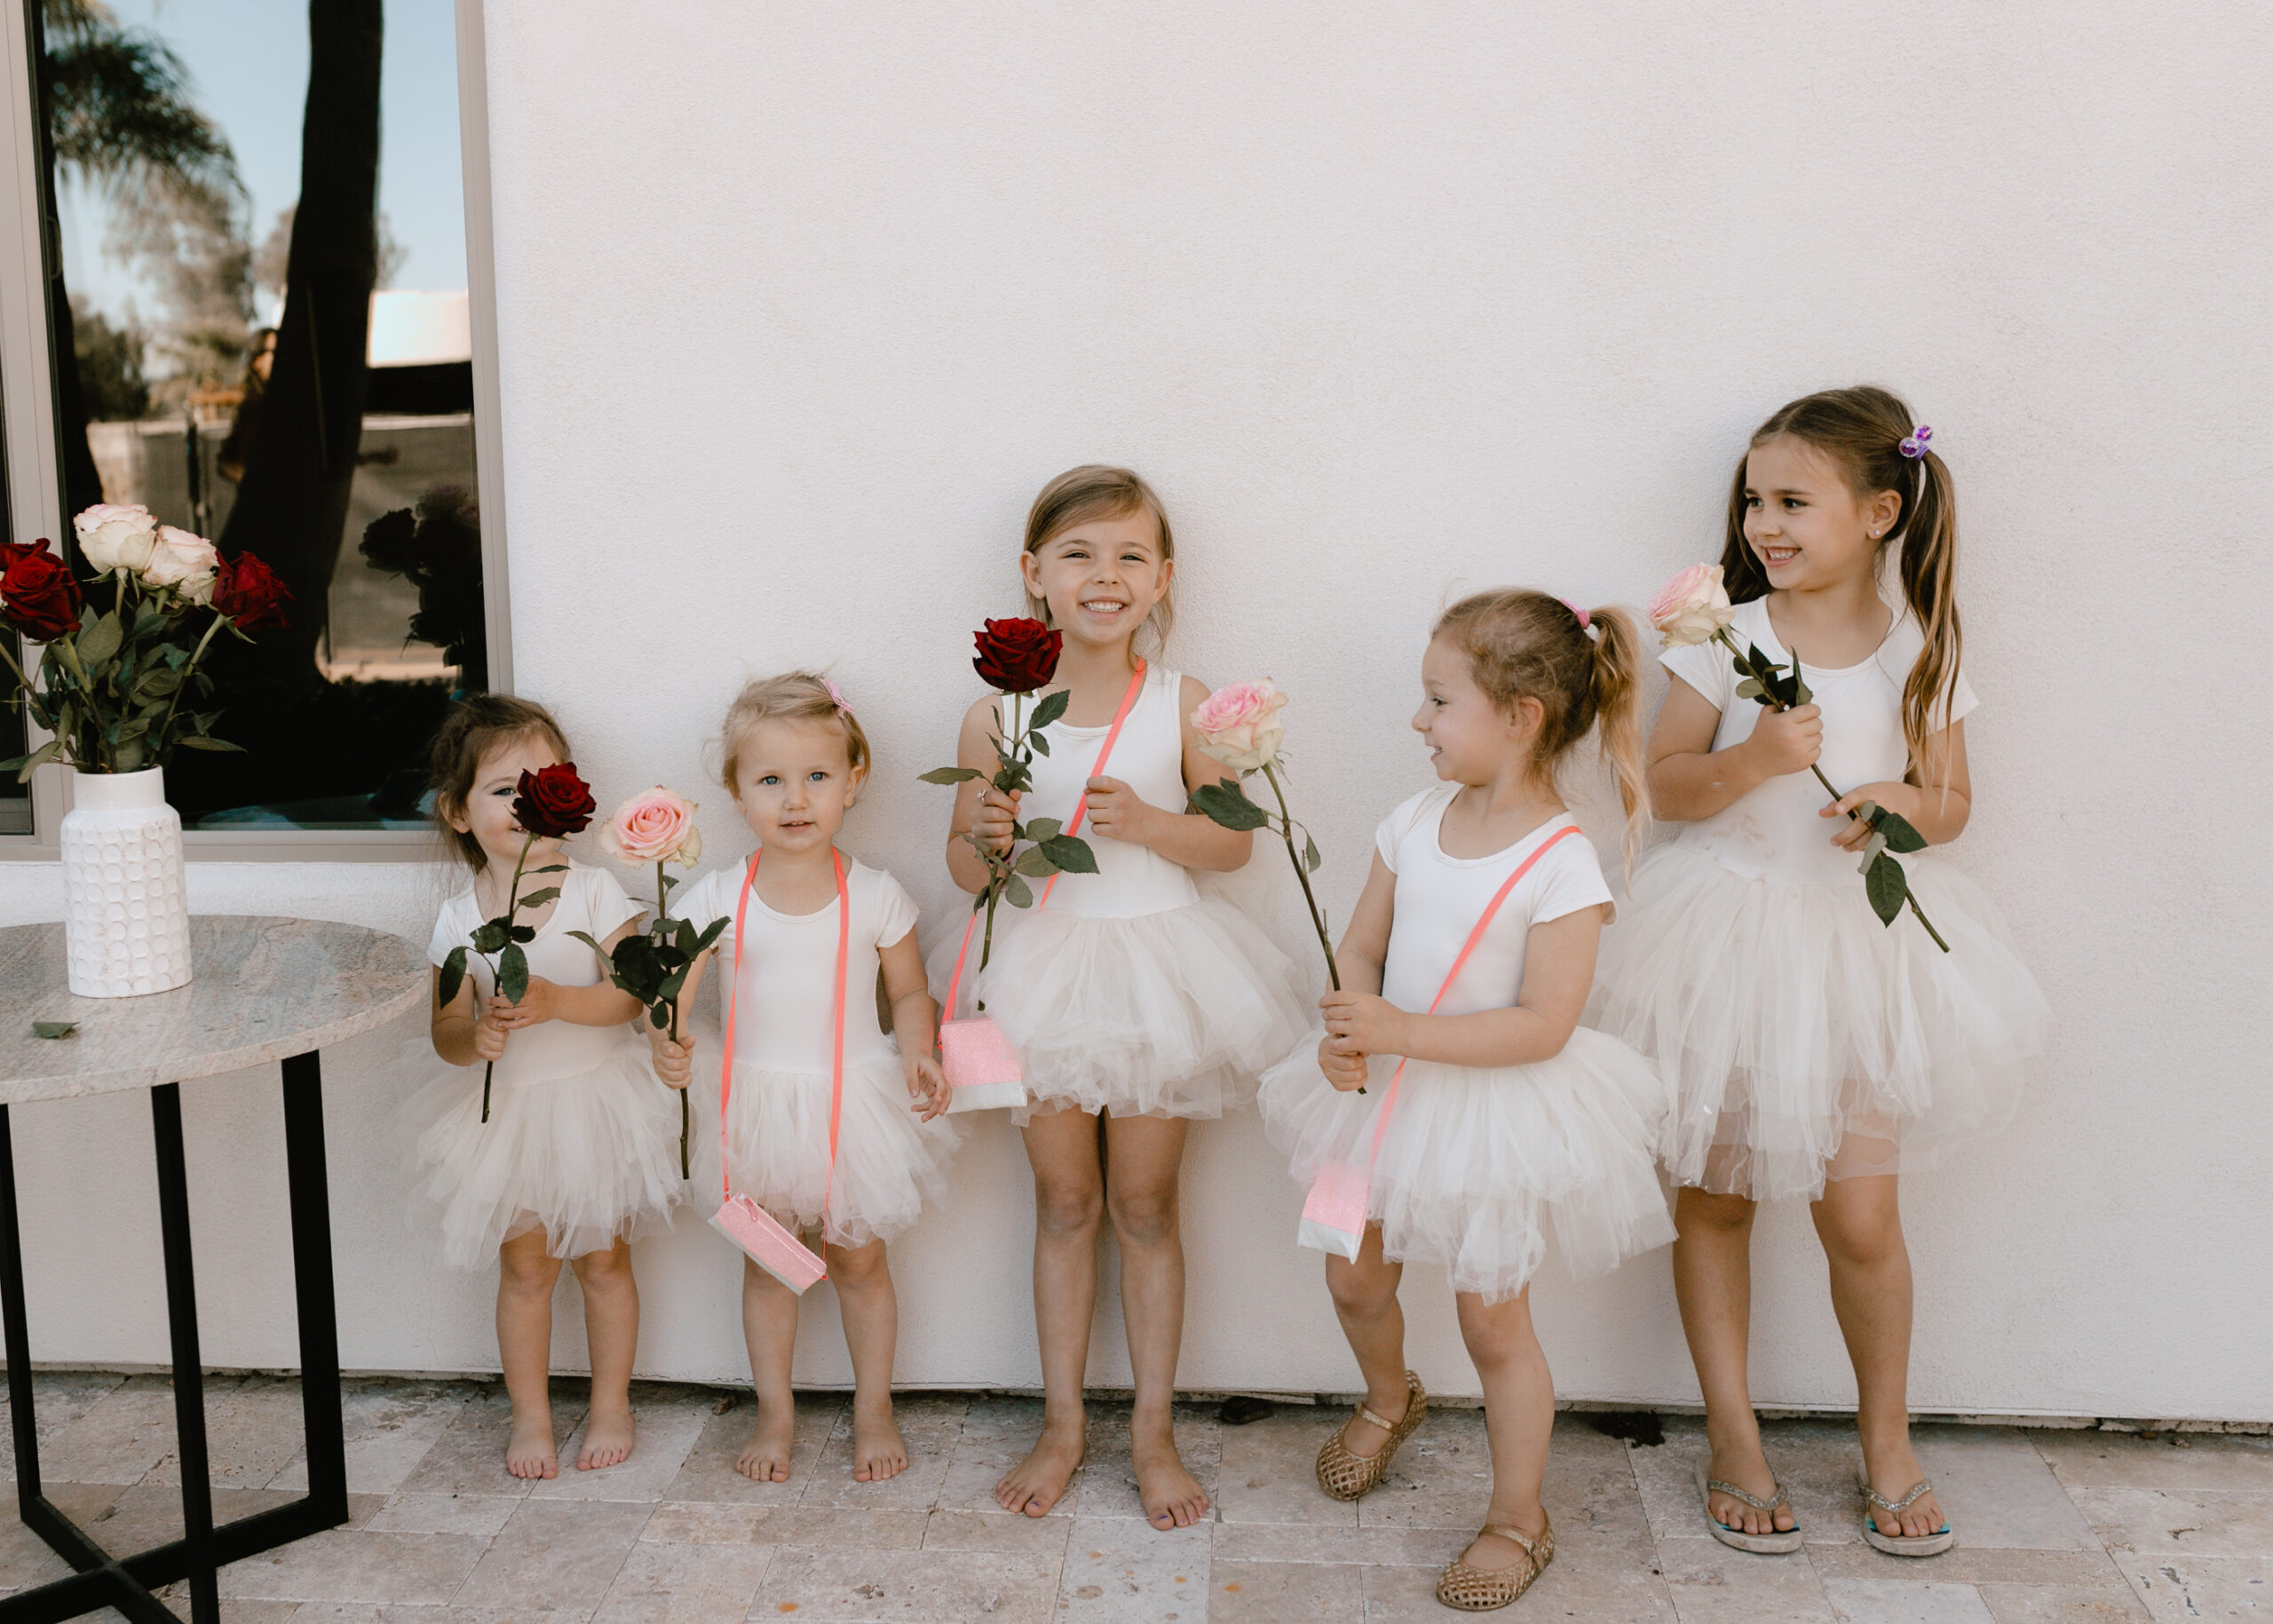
(487, 814)
(1101, 578)
(1805, 527)
(795, 782)
(1468, 737)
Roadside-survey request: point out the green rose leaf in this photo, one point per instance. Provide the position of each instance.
(450, 976)
(538, 898)
(1888, 888)
(709, 933)
(99, 642)
(1052, 707)
(1226, 803)
(513, 973)
(949, 775)
(54, 1028)
(1016, 892)
(1311, 860)
(1045, 828)
(585, 937)
(1040, 745)
(1035, 860)
(659, 1017)
(491, 935)
(1900, 835)
(1801, 692)
(202, 741)
(1071, 854)
(520, 933)
(548, 868)
(1750, 688)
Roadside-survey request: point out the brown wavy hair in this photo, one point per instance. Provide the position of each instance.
(475, 727)
(793, 696)
(1097, 490)
(1861, 430)
(1527, 645)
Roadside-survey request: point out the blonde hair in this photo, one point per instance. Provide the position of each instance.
(475, 727)
(793, 696)
(1525, 644)
(1097, 490)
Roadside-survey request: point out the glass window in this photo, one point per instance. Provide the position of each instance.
(260, 331)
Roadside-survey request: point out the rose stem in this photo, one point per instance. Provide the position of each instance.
(512, 906)
(663, 898)
(1301, 874)
(187, 671)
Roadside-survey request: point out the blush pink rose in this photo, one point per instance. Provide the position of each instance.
(655, 827)
(1691, 607)
(1238, 724)
(185, 562)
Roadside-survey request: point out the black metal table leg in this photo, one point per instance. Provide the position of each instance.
(128, 1583)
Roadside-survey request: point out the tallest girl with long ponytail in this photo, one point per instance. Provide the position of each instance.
(1816, 1047)
(1137, 1005)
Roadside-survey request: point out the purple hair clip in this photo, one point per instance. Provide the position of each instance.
(1585, 620)
(1914, 445)
(836, 694)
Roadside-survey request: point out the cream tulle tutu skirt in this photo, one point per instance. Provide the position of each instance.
(586, 1157)
(888, 1163)
(1168, 1014)
(1803, 1039)
(1483, 1165)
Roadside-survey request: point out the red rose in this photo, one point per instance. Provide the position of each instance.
(554, 802)
(1016, 656)
(249, 592)
(38, 597)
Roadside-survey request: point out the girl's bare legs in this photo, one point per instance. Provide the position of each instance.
(611, 1331)
(770, 1328)
(526, 1274)
(1711, 1279)
(871, 1315)
(1365, 1299)
(1518, 1418)
(1142, 1158)
(1859, 1222)
(1068, 1204)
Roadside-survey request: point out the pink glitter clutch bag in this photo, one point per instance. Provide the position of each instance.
(762, 1238)
(1333, 1213)
(981, 1064)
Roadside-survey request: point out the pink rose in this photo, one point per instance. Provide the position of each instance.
(1691, 607)
(1238, 724)
(185, 562)
(655, 827)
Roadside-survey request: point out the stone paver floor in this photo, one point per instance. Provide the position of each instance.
(2055, 1525)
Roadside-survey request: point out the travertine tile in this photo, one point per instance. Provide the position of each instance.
(2094, 1459)
(356, 1566)
(1286, 1593)
(1442, 1478)
(705, 1522)
(1711, 1584)
(253, 1429)
(1997, 1489)
(929, 1426)
(149, 1514)
(2062, 1604)
(118, 1439)
(1969, 1564)
(480, 1516)
(842, 1586)
(2160, 1523)
(557, 1555)
(664, 1435)
(58, 1398)
(1107, 1484)
(707, 1473)
(1896, 1601)
(468, 1456)
(996, 1434)
(1035, 1536)
(1268, 1470)
(2182, 1590)
(389, 1426)
(684, 1584)
(1120, 1571)
(1430, 1548)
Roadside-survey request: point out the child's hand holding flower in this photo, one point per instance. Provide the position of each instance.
(1364, 1023)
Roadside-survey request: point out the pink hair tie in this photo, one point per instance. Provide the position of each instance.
(1585, 620)
(836, 694)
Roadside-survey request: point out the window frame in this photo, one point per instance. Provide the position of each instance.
(28, 415)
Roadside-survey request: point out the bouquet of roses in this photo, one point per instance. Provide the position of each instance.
(1018, 657)
(116, 678)
(1693, 609)
(652, 965)
(549, 805)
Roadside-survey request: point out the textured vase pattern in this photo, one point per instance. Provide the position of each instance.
(126, 912)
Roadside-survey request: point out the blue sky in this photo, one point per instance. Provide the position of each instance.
(248, 62)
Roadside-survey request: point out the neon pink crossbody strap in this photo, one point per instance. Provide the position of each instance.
(1080, 806)
(836, 1068)
(1507, 886)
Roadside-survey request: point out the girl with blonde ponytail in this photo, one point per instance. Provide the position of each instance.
(1812, 1049)
(1450, 1092)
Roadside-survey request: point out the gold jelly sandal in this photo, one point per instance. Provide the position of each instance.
(1898, 1545)
(1476, 1590)
(1346, 1476)
(1780, 1542)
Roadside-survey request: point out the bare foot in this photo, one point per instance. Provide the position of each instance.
(529, 1452)
(1749, 1472)
(1035, 1484)
(878, 1451)
(1893, 1472)
(607, 1439)
(1172, 1496)
(765, 1458)
(1491, 1553)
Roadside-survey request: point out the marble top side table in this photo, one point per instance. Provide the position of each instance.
(266, 989)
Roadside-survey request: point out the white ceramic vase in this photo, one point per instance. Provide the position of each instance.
(125, 910)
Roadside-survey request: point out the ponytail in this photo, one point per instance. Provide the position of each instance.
(1618, 714)
(1928, 570)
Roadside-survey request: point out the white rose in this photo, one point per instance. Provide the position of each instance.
(185, 562)
(114, 537)
(1691, 607)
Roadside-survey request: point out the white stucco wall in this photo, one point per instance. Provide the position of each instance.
(801, 305)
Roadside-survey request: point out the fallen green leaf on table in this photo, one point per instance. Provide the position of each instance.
(54, 1028)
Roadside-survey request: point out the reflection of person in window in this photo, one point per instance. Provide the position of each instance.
(237, 449)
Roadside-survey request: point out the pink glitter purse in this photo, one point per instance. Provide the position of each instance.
(767, 1242)
(981, 1064)
(1334, 1212)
